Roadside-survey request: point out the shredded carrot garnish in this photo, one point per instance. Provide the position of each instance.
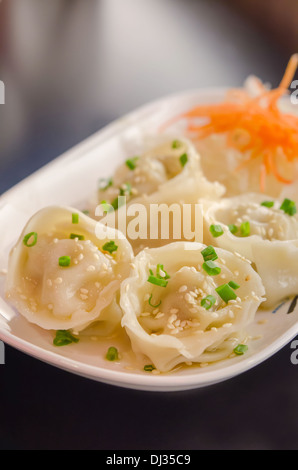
(254, 125)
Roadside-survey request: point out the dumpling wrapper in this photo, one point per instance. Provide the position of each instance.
(70, 297)
(169, 175)
(271, 246)
(168, 326)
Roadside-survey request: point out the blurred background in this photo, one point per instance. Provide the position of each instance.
(70, 67)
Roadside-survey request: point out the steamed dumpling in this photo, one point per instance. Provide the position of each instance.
(65, 270)
(175, 312)
(263, 230)
(169, 175)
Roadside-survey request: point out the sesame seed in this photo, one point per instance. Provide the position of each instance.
(175, 331)
(193, 310)
(49, 283)
(214, 315)
(227, 325)
(84, 291)
(174, 311)
(97, 285)
(91, 268)
(160, 315)
(84, 297)
(80, 257)
(58, 280)
(172, 318)
(189, 299)
(182, 289)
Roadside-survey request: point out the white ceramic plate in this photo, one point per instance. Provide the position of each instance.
(69, 180)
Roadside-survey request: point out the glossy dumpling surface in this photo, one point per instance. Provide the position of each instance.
(264, 230)
(172, 320)
(65, 270)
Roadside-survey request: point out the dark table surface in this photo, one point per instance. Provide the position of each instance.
(69, 68)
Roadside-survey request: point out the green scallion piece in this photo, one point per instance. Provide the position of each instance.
(267, 203)
(157, 281)
(211, 268)
(63, 338)
(245, 229)
(110, 247)
(234, 285)
(64, 261)
(125, 189)
(233, 228)
(176, 144)
(104, 183)
(226, 293)
(150, 303)
(209, 254)
(161, 272)
(75, 218)
(183, 159)
(216, 230)
(30, 236)
(289, 207)
(240, 349)
(112, 354)
(73, 236)
(131, 163)
(149, 368)
(208, 302)
(161, 278)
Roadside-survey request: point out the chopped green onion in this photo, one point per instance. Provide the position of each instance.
(27, 237)
(245, 229)
(240, 349)
(104, 183)
(112, 354)
(234, 285)
(86, 212)
(211, 268)
(63, 338)
(209, 254)
(151, 305)
(131, 163)
(226, 293)
(106, 207)
(161, 272)
(73, 236)
(115, 204)
(157, 281)
(183, 159)
(75, 218)
(208, 302)
(149, 368)
(267, 204)
(233, 228)
(216, 230)
(289, 207)
(161, 278)
(125, 189)
(110, 247)
(64, 261)
(176, 144)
